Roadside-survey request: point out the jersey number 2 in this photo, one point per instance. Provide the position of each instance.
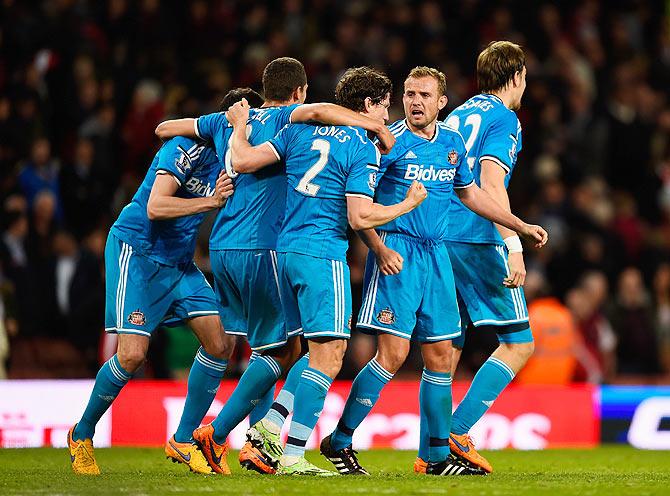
(305, 185)
(474, 121)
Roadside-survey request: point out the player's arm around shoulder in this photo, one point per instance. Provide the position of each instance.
(245, 157)
(336, 115)
(176, 127)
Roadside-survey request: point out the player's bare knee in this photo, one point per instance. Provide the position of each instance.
(525, 350)
(327, 357)
(131, 359)
(438, 356)
(285, 355)
(391, 358)
(221, 347)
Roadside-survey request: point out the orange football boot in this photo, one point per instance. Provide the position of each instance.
(420, 466)
(252, 459)
(463, 447)
(214, 452)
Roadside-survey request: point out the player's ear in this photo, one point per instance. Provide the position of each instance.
(442, 102)
(300, 94)
(367, 103)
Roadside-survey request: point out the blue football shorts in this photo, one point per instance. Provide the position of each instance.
(247, 285)
(141, 293)
(420, 301)
(315, 295)
(479, 270)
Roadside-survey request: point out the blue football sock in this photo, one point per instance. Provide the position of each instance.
(203, 383)
(487, 385)
(364, 394)
(256, 381)
(263, 406)
(283, 404)
(309, 398)
(108, 383)
(435, 402)
(424, 436)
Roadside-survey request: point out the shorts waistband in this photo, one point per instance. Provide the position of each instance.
(413, 239)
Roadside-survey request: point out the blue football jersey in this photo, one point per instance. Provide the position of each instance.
(324, 164)
(195, 167)
(491, 132)
(251, 218)
(439, 163)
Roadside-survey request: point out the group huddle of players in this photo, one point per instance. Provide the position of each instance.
(427, 197)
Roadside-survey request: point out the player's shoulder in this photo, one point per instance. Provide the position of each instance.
(264, 114)
(498, 113)
(180, 144)
(450, 135)
(398, 128)
(195, 151)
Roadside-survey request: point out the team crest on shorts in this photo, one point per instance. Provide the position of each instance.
(137, 318)
(453, 157)
(386, 316)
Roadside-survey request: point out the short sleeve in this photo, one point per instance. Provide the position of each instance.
(458, 156)
(502, 142)
(362, 177)
(286, 113)
(206, 126)
(280, 142)
(178, 157)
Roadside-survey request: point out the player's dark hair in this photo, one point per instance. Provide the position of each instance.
(497, 64)
(359, 83)
(423, 71)
(281, 77)
(235, 95)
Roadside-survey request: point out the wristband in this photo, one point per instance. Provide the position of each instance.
(513, 244)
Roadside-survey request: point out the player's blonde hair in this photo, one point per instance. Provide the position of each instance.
(497, 64)
(423, 71)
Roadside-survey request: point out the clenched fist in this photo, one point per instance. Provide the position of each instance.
(416, 193)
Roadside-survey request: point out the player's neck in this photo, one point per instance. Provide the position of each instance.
(505, 96)
(273, 103)
(425, 132)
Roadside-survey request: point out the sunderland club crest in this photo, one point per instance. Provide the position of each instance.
(453, 157)
(386, 316)
(137, 318)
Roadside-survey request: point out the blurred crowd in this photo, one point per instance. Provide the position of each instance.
(83, 84)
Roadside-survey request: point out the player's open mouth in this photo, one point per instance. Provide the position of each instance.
(417, 113)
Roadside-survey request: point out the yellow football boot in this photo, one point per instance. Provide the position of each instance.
(189, 454)
(81, 455)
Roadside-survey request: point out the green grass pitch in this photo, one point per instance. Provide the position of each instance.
(133, 471)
